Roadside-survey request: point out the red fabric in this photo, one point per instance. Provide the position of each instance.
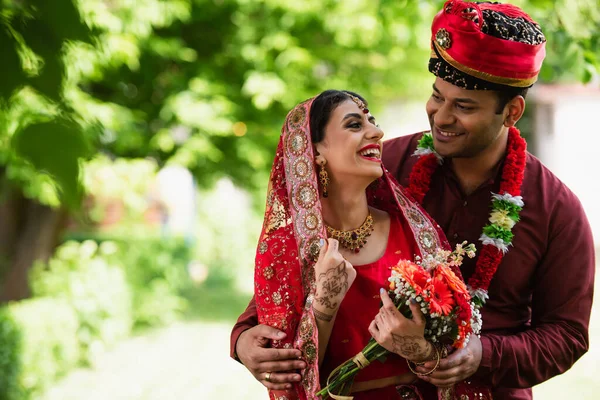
(292, 227)
(485, 53)
(350, 332)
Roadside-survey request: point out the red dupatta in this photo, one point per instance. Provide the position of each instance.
(289, 244)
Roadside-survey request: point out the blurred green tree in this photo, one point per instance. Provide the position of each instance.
(201, 83)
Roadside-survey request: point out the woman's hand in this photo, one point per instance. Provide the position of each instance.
(401, 335)
(334, 276)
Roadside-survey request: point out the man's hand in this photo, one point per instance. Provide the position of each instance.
(252, 348)
(457, 367)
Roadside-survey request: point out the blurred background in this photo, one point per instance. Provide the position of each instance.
(136, 138)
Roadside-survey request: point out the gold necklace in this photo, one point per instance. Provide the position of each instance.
(355, 239)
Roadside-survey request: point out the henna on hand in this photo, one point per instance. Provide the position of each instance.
(330, 285)
(411, 347)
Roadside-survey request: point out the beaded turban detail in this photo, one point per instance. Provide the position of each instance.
(486, 46)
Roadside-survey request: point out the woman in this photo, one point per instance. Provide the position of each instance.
(327, 181)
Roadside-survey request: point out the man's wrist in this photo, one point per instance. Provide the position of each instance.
(235, 352)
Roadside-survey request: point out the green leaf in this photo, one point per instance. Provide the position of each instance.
(64, 18)
(12, 71)
(55, 147)
(497, 232)
(41, 38)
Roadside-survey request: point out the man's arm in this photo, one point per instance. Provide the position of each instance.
(247, 320)
(250, 345)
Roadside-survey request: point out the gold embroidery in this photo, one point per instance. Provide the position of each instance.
(416, 218)
(306, 328)
(278, 217)
(301, 168)
(296, 143)
(309, 380)
(310, 351)
(262, 247)
(517, 82)
(313, 248)
(306, 195)
(268, 273)
(427, 240)
(297, 117)
(277, 298)
(311, 221)
(442, 37)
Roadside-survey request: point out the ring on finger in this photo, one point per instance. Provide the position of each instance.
(268, 377)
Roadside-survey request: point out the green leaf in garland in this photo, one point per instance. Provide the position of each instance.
(426, 142)
(512, 209)
(496, 232)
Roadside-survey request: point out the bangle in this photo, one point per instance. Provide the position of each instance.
(322, 316)
(437, 364)
(429, 356)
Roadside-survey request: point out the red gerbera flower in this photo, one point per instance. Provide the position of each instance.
(441, 300)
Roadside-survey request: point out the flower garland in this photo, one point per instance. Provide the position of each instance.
(496, 236)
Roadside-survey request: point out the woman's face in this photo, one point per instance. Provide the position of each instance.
(351, 146)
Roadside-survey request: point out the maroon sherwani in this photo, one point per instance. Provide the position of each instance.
(535, 323)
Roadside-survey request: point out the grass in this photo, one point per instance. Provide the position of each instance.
(216, 300)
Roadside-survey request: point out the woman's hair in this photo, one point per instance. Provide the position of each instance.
(322, 107)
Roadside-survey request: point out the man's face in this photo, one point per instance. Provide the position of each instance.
(463, 122)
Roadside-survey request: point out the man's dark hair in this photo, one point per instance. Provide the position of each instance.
(322, 107)
(507, 94)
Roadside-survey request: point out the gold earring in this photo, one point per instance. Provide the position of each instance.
(324, 179)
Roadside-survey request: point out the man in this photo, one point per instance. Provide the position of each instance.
(535, 323)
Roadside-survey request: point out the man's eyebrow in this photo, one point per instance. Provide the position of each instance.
(458, 99)
(465, 100)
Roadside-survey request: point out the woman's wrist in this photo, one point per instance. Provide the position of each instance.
(428, 353)
(323, 313)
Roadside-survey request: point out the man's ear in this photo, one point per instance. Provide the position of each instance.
(514, 110)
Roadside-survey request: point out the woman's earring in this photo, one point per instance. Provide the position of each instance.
(324, 179)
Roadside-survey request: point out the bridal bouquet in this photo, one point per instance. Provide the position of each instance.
(450, 314)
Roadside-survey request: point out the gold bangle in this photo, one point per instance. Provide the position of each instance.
(437, 364)
(428, 357)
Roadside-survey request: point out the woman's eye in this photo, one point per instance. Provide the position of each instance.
(354, 125)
